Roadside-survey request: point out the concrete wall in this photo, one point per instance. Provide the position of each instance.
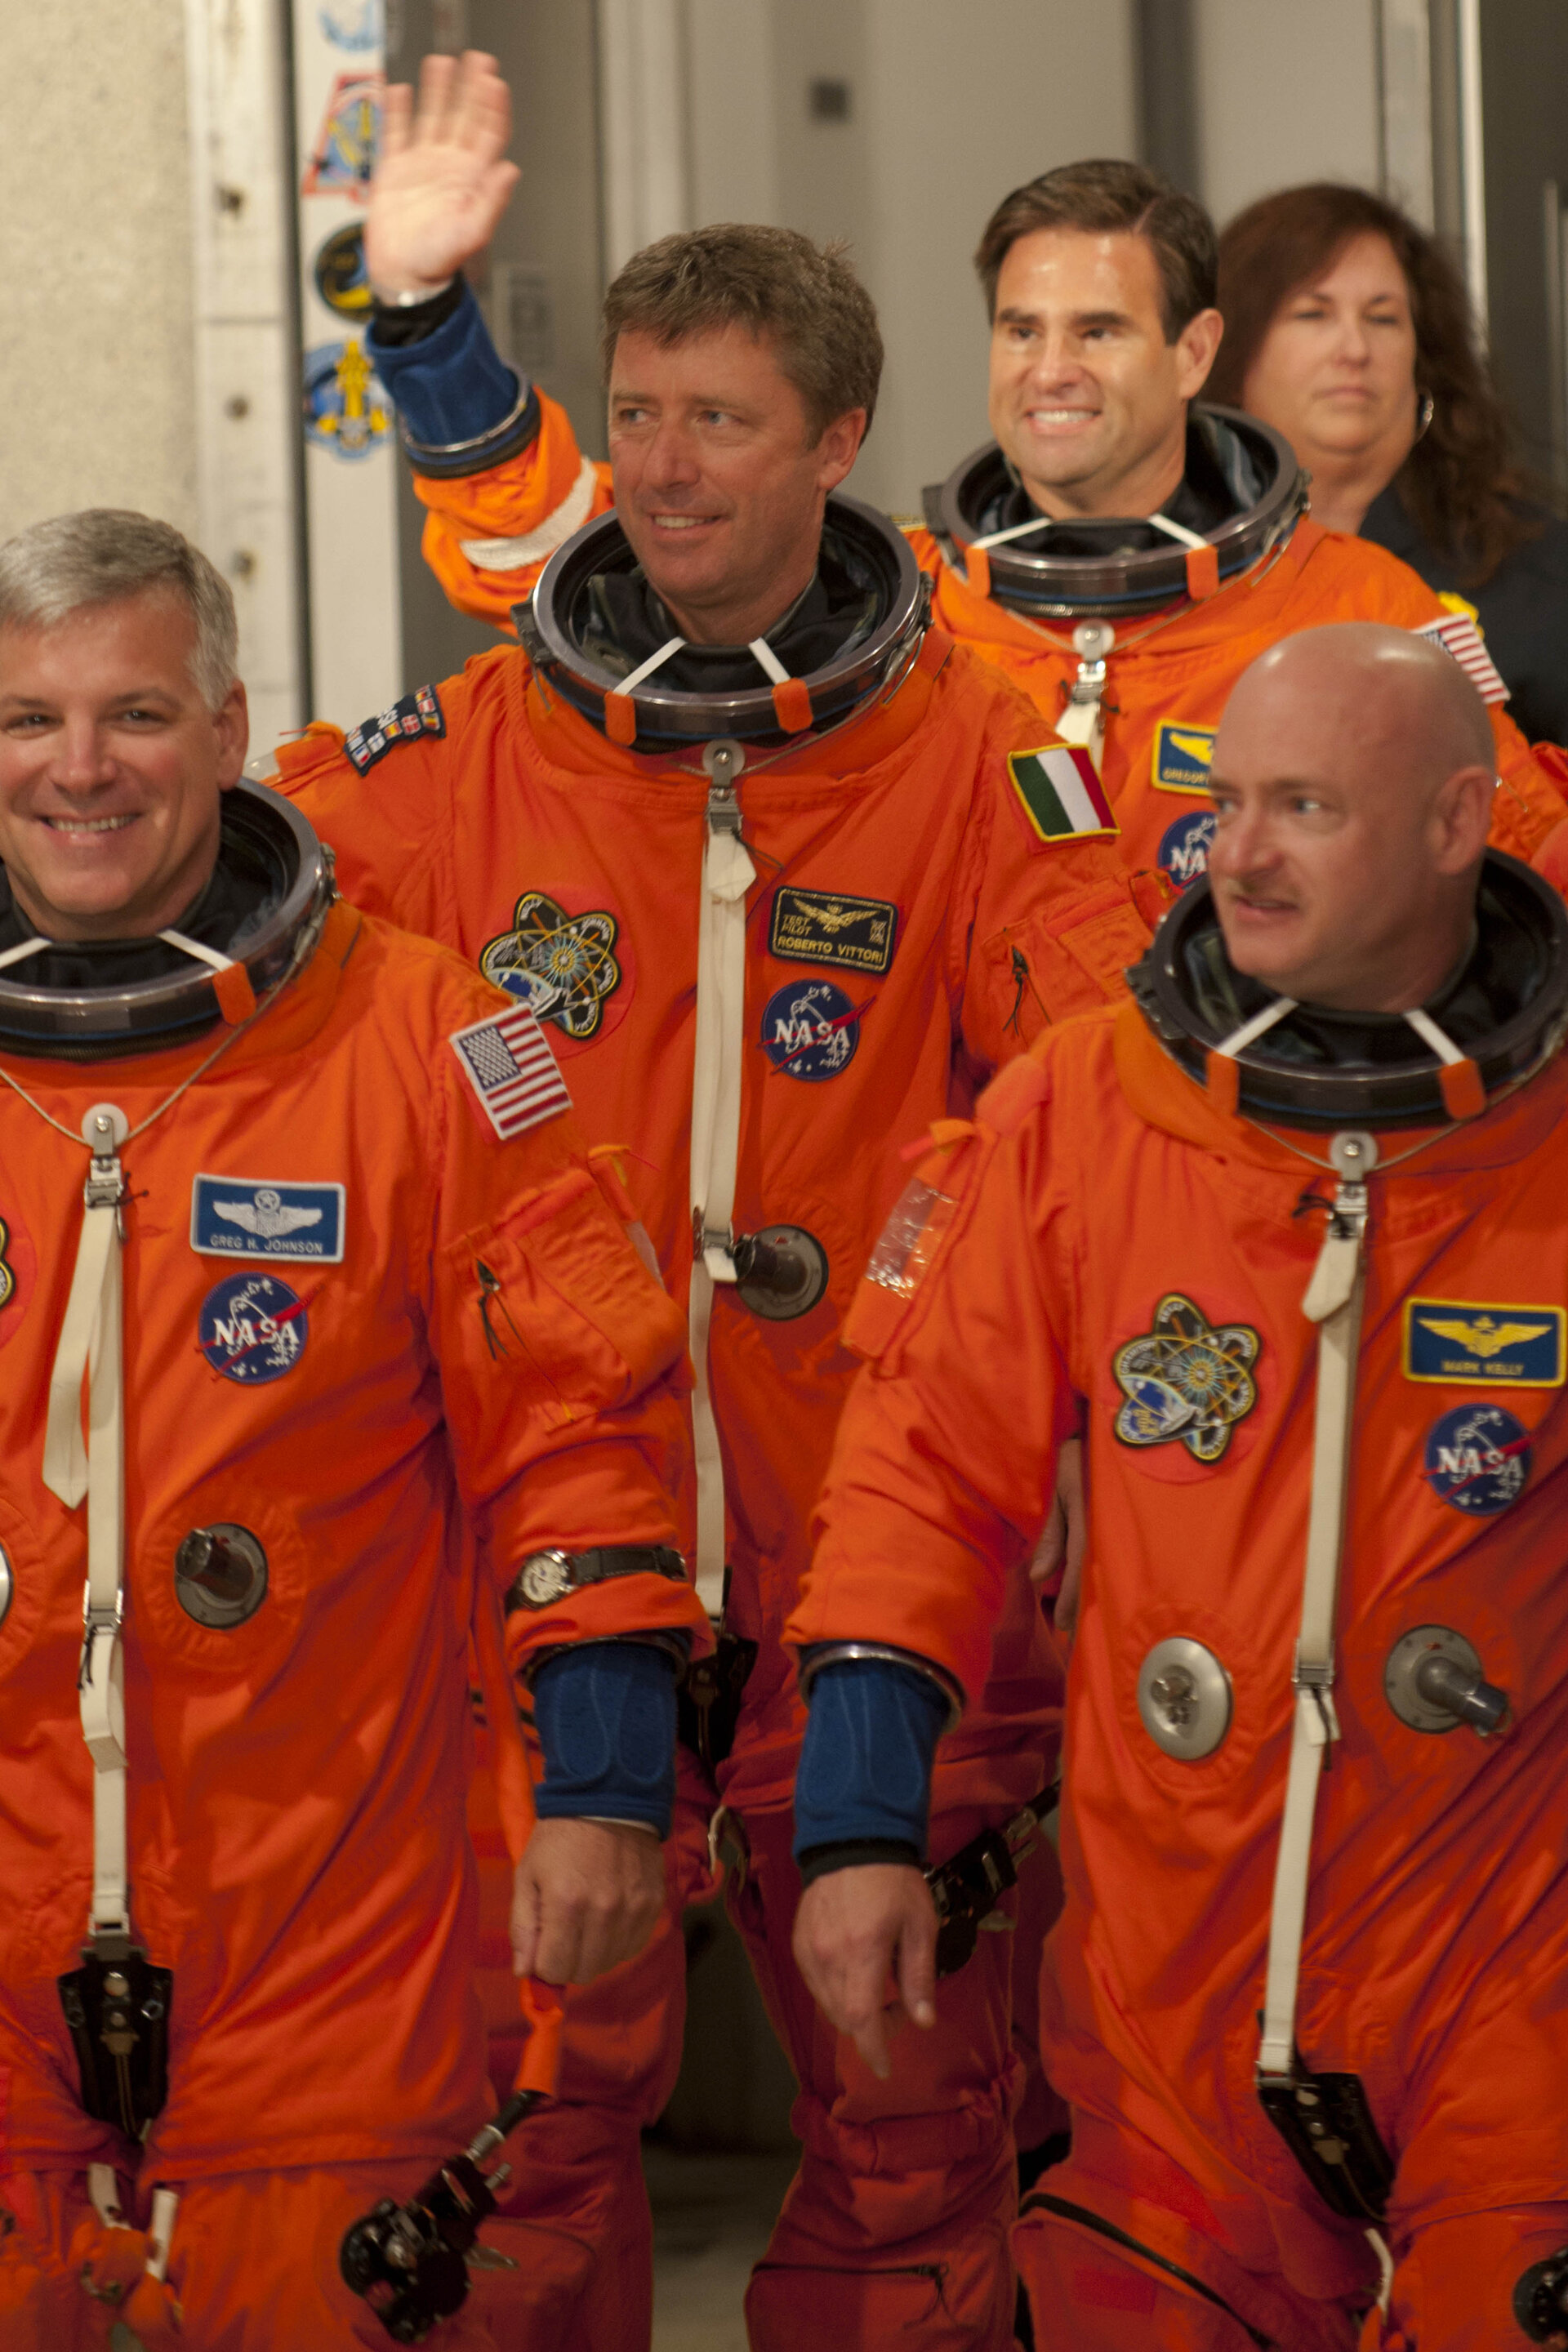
(947, 108)
(1284, 93)
(96, 394)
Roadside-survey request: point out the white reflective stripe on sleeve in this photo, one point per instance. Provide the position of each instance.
(513, 554)
(90, 1339)
(728, 874)
(1332, 1301)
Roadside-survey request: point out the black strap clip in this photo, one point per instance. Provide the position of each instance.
(707, 1704)
(117, 2007)
(1326, 2124)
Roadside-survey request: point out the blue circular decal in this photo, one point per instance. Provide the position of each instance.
(810, 1029)
(1184, 846)
(1477, 1458)
(253, 1328)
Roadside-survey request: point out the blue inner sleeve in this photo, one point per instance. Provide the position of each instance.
(606, 1718)
(865, 1767)
(452, 385)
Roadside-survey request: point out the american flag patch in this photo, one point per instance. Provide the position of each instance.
(1457, 634)
(509, 1064)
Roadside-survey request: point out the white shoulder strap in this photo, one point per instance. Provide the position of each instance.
(90, 1343)
(1332, 1301)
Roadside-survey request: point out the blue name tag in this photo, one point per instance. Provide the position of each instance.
(1483, 1347)
(1182, 757)
(248, 1216)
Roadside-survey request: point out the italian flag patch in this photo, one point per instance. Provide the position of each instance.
(1061, 793)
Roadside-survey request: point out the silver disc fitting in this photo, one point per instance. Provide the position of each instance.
(1183, 1699)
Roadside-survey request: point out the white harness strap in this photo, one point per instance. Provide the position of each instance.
(728, 874)
(90, 1341)
(1332, 1301)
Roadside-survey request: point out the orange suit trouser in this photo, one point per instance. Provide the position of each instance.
(252, 2267)
(577, 2177)
(1089, 2290)
(894, 2230)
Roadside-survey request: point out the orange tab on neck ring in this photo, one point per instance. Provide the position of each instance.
(1464, 1091)
(792, 705)
(1222, 1080)
(977, 570)
(621, 720)
(1203, 572)
(236, 997)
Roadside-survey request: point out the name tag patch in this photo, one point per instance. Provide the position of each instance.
(1508, 1347)
(1183, 756)
(825, 927)
(1060, 793)
(255, 1216)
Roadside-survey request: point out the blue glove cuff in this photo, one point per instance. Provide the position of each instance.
(866, 1766)
(456, 400)
(604, 1715)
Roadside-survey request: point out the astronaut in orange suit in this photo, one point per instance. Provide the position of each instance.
(1285, 1237)
(1121, 550)
(786, 874)
(366, 1350)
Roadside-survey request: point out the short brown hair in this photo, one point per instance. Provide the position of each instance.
(1112, 194)
(804, 297)
(1461, 484)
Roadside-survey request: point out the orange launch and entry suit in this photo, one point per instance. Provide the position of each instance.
(1168, 674)
(350, 1307)
(1120, 1253)
(908, 926)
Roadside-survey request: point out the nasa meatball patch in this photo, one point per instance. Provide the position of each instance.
(1185, 846)
(261, 1216)
(418, 713)
(1477, 1458)
(253, 1329)
(811, 1029)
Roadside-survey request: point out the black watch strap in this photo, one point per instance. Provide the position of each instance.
(547, 1576)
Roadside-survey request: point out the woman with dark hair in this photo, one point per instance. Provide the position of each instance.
(1348, 329)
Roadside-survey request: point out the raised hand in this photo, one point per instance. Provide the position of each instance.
(440, 185)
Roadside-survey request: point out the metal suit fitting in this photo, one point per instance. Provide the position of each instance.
(1183, 1699)
(1434, 1681)
(220, 1575)
(780, 1271)
(1540, 2299)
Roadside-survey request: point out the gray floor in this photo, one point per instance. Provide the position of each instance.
(711, 2216)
